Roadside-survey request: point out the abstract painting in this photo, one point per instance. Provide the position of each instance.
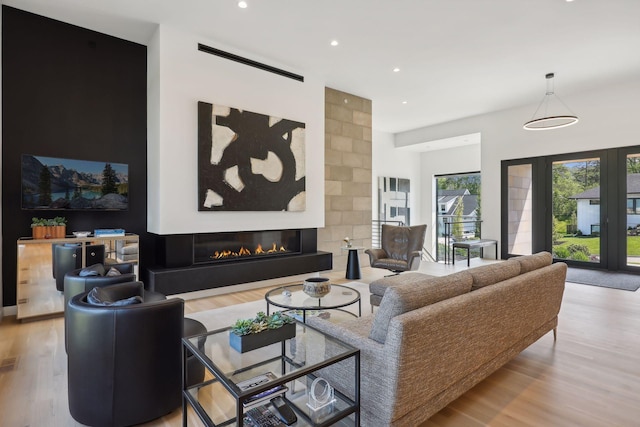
(249, 161)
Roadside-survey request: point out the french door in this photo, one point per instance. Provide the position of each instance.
(583, 207)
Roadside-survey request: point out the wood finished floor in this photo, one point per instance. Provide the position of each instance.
(589, 377)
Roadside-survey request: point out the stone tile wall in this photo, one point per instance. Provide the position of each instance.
(347, 175)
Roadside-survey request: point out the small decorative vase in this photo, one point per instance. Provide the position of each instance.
(316, 287)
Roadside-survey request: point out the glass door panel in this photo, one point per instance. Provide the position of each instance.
(633, 210)
(520, 205)
(576, 215)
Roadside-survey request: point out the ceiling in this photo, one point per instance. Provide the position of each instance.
(457, 58)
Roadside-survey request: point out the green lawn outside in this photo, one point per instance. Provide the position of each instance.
(593, 243)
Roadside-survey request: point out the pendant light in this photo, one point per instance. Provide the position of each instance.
(550, 117)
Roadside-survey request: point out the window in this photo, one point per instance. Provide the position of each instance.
(633, 206)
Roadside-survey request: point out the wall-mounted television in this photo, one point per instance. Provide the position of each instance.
(57, 184)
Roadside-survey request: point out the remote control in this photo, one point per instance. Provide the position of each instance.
(283, 410)
(263, 417)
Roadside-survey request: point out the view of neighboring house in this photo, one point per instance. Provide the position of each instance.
(588, 215)
(449, 201)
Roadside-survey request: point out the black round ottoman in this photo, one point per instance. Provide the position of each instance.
(195, 368)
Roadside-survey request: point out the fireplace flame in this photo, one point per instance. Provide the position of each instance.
(246, 252)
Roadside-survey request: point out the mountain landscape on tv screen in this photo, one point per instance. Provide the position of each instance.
(51, 183)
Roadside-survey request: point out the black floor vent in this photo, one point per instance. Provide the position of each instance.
(240, 59)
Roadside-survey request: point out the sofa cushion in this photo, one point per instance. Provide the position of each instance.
(129, 249)
(533, 262)
(93, 270)
(493, 273)
(401, 299)
(378, 287)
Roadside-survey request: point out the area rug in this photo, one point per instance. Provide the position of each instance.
(222, 317)
(605, 279)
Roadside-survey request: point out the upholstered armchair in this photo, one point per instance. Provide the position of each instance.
(124, 361)
(401, 248)
(97, 275)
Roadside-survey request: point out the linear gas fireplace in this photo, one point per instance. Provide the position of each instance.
(191, 262)
(244, 245)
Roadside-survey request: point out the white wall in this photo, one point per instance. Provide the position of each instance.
(179, 77)
(441, 162)
(389, 161)
(608, 118)
(588, 215)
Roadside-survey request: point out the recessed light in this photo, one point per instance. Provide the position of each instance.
(395, 70)
(242, 4)
(334, 42)
(404, 102)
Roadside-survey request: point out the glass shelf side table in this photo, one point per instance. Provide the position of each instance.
(294, 363)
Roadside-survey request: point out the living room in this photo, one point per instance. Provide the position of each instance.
(162, 152)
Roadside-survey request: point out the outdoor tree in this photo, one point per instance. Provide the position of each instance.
(633, 164)
(564, 186)
(109, 180)
(44, 186)
(467, 182)
(457, 225)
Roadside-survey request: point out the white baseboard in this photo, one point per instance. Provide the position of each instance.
(11, 310)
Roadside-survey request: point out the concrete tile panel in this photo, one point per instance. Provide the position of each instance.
(341, 143)
(353, 160)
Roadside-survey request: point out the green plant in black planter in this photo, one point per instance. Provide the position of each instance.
(262, 330)
(260, 323)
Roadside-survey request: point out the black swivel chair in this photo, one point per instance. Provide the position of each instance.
(69, 257)
(81, 280)
(401, 248)
(125, 362)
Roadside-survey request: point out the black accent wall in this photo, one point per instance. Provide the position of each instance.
(73, 93)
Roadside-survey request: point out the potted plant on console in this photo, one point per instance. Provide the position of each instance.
(42, 228)
(249, 334)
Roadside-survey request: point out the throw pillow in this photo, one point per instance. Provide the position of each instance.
(97, 297)
(94, 270)
(113, 272)
(410, 296)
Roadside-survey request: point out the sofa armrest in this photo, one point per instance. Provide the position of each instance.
(414, 260)
(377, 379)
(376, 254)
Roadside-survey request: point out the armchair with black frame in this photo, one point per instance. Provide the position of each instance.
(401, 248)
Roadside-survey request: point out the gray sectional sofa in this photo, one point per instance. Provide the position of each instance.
(433, 339)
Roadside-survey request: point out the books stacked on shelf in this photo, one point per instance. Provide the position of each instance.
(108, 232)
(265, 395)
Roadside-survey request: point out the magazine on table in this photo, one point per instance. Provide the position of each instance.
(265, 395)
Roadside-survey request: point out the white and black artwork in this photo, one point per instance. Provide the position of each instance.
(393, 199)
(249, 161)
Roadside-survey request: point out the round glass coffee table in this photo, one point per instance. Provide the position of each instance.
(291, 297)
